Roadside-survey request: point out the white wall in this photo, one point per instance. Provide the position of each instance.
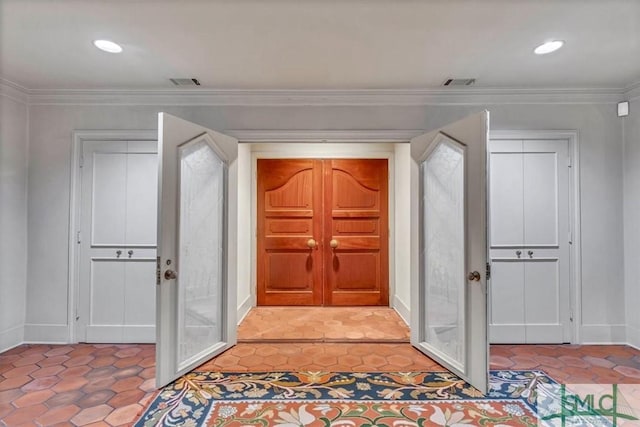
(632, 221)
(601, 151)
(13, 219)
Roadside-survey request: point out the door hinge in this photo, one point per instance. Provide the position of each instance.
(570, 238)
(157, 270)
(79, 237)
(81, 160)
(568, 161)
(488, 271)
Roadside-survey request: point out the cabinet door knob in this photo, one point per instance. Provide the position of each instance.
(530, 253)
(118, 253)
(311, 243)
(333, 243)
(518, 253)
(130, 252)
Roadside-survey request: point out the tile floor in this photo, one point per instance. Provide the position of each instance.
(74, 385)
(109, 385)
(325, 324)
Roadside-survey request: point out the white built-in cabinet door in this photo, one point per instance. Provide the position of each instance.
(529, 241)
(117, 240)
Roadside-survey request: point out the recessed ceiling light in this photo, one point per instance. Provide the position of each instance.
(107, 46)
(548, 47)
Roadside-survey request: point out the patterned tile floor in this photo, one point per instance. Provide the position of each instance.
(108, 385)
(326, 324)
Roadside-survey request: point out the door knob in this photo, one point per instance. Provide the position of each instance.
(474, 276)
(333, 243)
(170, 275)
(312, 243)
(530, 253)
(118, 253)
(130, 253)
(518, 253)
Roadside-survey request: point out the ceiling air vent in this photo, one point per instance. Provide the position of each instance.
(459, 82)
(185, 82)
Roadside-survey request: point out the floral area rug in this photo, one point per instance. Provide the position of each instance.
(345, 399)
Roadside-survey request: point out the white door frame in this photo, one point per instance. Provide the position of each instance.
(575, 252)
(78, 139)
(257, 144)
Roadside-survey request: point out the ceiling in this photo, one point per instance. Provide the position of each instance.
(319, 44)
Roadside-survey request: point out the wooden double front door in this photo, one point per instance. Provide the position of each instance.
(323, 232)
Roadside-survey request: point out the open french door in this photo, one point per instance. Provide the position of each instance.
(197, 259)
(449, 247)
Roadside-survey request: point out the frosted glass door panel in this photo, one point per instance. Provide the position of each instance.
(444, 250)
(541, 199)
(201, 239)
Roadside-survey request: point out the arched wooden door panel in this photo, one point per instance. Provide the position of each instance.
(356, 223)
(289, 219)
(323, 232)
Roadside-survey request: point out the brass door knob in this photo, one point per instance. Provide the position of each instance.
(312, 243)
(170, 275)
(333, 243)
(474, 276)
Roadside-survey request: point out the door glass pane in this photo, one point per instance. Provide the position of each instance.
(201, 238)
(444, 251)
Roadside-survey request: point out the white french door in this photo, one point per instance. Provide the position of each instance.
(197, 259)
(449, 247)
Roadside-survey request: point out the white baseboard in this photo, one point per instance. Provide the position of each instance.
(401, 308)
(139, 334)
(633, 337)
(603, 334)
(244, 308)
(46, 334)
(11, 337)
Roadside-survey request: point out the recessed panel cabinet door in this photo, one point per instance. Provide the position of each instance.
(356, 218)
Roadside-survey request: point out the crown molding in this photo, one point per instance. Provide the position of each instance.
(14, 91)
(319, 97)
(322, 98)
(632, 92)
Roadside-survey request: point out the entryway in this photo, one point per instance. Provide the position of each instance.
(322, 232)
(323, 324)
(441, 249)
